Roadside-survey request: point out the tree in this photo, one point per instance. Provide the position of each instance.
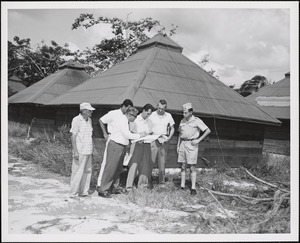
(202, 63)
(32, 65)
(252, 85)
(128, 35)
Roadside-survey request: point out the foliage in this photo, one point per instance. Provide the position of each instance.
(252, 85)
(17, 130)
(128, 35)
(32, 65)
(205, 60)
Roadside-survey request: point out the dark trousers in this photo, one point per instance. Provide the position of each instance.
(140, 162)
(113, 166)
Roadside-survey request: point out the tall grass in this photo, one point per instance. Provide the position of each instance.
(52, 152)
(55, 154)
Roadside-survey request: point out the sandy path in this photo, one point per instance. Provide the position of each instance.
(38, 204)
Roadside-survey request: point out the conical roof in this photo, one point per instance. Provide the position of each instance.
(70, 75)
(274, 99)
(15, 84)
(160, 71)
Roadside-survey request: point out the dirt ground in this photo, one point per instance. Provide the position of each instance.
(38, 203)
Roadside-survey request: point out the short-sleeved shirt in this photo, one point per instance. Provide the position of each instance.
(191, 129)
(140, 125)
(112, 119)
(160, 123)
(121, 133)
(83, 130)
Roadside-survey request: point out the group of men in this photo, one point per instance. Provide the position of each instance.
(123, 127)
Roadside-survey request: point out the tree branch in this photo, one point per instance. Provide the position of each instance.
(224, 211)
(262, 181)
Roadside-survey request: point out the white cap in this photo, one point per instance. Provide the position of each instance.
(86, 106)
(187, 106)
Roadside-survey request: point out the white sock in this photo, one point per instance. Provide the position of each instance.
(182, 178)
(193, 179)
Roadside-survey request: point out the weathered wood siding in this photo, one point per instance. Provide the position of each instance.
(277, 138)
(234, 142)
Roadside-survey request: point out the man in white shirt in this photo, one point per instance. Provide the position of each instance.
(116, 149)
(82, 148)
(162, 124)
(111, 119)
(141, 151)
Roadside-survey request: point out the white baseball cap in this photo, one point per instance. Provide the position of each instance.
(86, 106)
(187, 106)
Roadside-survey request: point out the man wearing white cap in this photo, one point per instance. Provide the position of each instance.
(190, 128)
(82, 144)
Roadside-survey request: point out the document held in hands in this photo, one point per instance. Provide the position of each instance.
(147, 139)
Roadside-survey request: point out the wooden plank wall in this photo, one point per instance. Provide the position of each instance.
(277, 138)
(233, 142)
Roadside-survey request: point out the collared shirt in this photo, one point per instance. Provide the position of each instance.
(112, 119)
(191, 129)
(160, 123)
(83, 130)
(140, 125)
(121, 133)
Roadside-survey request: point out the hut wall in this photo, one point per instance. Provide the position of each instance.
(277, 138)
(24, 113)
(234, 142)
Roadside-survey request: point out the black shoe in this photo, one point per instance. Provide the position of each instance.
(193, 192)
(105, 195)
(183, 188)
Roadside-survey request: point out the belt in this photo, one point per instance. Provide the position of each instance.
(187, 139)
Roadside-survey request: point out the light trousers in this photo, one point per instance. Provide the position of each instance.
(159, 151)
(81, 175)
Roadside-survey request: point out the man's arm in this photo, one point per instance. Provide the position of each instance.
(171, 133)
(178, 143)
(204, 135)
(74, 147)
(103, 128)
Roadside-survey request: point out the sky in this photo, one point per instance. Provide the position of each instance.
(241, 42)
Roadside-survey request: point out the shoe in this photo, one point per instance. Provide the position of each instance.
(182, 188)
(105, 195)
(120, 190)
(193, 192)
(85, 195)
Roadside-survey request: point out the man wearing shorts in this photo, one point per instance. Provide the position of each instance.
(190, 128)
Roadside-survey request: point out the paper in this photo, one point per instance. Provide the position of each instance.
(148, 138)
(127, 159)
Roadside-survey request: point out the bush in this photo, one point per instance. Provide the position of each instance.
(17, 130)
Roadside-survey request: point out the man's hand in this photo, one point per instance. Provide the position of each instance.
(195, 142)
(105, 136)
(143, 134)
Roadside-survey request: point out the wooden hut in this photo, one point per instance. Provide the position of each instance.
(159, 70)
(30, 102)
(275, 100)
(15, 84)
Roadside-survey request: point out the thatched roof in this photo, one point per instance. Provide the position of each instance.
(274, 99)
(70, 75)
(160, 71)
